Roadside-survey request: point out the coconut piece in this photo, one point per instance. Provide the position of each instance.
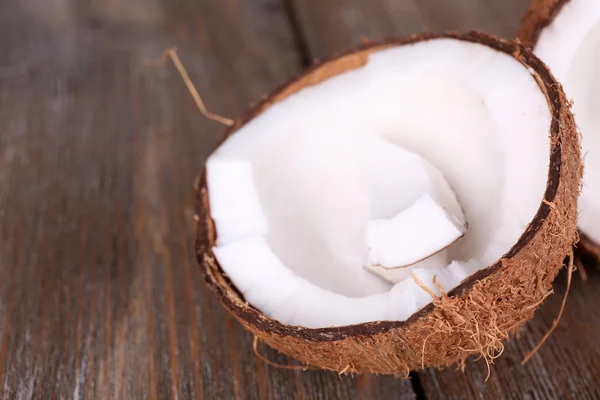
(565, 34)
(418, 232)
(469, 104)
(415, 238)
(428, 217)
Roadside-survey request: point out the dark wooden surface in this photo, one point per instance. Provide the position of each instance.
(100, 296)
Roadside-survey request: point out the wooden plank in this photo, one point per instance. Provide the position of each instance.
(330, 26)
(100, 296)
(567, 366)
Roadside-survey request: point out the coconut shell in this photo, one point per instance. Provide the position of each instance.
(474, 318)
(540, 14)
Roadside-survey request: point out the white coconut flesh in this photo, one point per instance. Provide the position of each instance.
(570, 46)
(381, 168)
(413, 212)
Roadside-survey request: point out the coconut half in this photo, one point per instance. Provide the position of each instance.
(565, 34)
(467, 141)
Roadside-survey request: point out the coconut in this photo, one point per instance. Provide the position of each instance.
(485, 170)
(414, 216)
(565, 34)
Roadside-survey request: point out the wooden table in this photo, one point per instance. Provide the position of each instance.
(100, 296)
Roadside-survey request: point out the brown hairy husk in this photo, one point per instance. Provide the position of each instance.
(473, 319)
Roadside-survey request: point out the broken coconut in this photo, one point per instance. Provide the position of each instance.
(565, 34)
(304, 198)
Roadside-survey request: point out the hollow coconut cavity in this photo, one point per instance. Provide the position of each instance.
(403, 205)
(565, 34)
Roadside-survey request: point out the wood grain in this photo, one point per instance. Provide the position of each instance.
(330, 26)
(567, 366)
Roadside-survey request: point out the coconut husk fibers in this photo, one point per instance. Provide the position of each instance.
(474, 318)
(540, 14)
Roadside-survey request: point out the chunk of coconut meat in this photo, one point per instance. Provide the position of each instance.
(412, 238)
(428, 217)
(396, 155)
